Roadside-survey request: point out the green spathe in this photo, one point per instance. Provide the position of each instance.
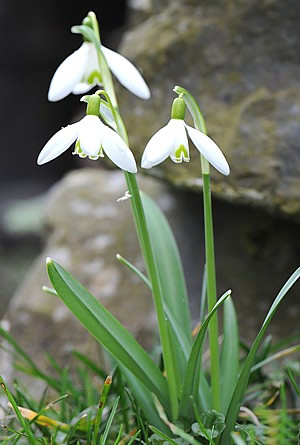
(93, 106)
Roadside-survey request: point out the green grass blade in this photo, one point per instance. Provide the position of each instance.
(131, 441)
(168, 263)
(278, 355)
(230, 354)
(89, 363)
(102, 401)
(293, 381)
(107, 330)
(109, 422)
(174, 428)
(191, 380)
(33, 369)
(144, 399)
(163, 435)
(134, 269)
(23, 421)
(241, 385)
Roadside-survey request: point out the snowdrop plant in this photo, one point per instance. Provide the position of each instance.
(80, 72)
(93, 139)
(172, 141)
(182, 391)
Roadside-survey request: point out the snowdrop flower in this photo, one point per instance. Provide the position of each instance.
(172, 141)
(93, 139)
(79, 72)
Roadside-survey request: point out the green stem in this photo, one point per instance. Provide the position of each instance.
(211, 292)
(104, 70)
(199, 123)
(144, 240)
(146, 247)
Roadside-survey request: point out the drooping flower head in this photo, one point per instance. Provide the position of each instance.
(172, 141)
(93, 139)
(80, 72)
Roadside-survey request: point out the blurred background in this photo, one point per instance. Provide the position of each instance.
(242, 60)
(36, 37)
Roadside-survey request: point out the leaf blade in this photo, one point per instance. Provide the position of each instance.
(230, 354)
(244, 375)
(106, 329)
(168, 263)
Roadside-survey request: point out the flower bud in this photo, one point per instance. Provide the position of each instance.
(87, 22)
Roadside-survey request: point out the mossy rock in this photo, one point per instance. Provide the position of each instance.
(240, 60)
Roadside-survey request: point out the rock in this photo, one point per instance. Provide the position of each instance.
(240, 60)
(86, 228)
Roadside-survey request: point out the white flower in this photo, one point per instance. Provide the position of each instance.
(172, 141)
(92, 139)
(79, 72)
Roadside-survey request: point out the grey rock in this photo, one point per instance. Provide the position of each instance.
(240, 60)
(86, 228)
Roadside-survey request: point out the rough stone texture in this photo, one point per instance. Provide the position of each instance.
(241, 61)
(87, 227)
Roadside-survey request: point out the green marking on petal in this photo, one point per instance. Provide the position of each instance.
(94, 76)
(181, 154)
(78, 151)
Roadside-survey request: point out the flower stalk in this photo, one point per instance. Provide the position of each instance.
(104, 70)
(209, 251)
(144, 238)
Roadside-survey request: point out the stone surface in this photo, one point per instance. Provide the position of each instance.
(86, 227)
(241, 62)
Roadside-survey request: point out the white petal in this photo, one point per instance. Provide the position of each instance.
(160, 145)
(59, 143)
(82, 88)
(126, 73)
(68, 74)
(92, 66)
(90, 135)
(180, 142)
(117, 150)
(209, 149)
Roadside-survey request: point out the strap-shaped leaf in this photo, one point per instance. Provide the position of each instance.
(242, 382)
(192, 376)
(230, 354)
(168, 263)
(144, 399)
(107, 330)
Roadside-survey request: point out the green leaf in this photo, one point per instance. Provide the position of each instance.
(168, 263)
(107, 330)
(161, 435)
(131, 441)
(109, 422)
(241, 385)
(212, 421)
(230, 354)
(183, 341)
(174, 428)
(191, 379)
(144, 399)
(25, 424)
